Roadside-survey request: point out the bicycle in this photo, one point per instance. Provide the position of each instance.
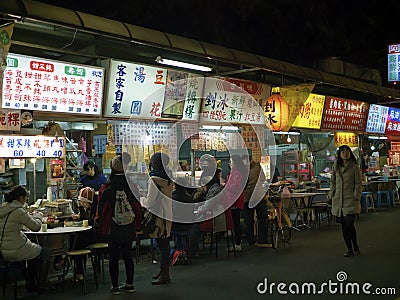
(279, 220)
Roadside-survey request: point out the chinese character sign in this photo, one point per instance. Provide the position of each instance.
(377, 117)
(394, 62)
(45, 85)
(194, 93)
(310, 114)
(344, 115)
(135, 90)
(10, 119)
(32, 146)
(393, 122)
(346, 138)
(225, 101)
(175, 94)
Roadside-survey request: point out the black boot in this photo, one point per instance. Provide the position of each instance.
(44, 285)
(155, 276)
(164, 276)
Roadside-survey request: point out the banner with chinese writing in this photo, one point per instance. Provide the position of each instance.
(346, 138)
(393, 158)
(10, 119)
(393, 122)
(135, 90)
(39, 84)
(191, 109)
(310, 114)
(377, 117)
(227, 100)
(344, 115)
(6, 31)
(295, 96)
(32, 146)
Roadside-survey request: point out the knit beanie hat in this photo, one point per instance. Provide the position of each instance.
(86, 195)
(116, 164)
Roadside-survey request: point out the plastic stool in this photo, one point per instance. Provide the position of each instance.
(98, 253)
(367, 202)
(79, 254)
(383, 199)
(394, 198)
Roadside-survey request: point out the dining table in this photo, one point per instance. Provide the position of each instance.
(302, 204)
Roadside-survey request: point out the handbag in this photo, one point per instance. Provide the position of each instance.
(148, 221)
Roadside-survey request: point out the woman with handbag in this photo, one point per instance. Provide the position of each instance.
(345, 194)
(159, 202)
(14, 244)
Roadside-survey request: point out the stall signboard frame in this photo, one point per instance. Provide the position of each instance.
(40, 84)
(344, 115)
(393, 122)
(233, 101)
(377, 118)
(310, 115)
(39, 146)
(134, 90)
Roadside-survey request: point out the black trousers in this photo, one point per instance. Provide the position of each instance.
(262, 216)
(349, 233)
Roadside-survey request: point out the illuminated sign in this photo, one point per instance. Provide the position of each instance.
(31, 146)
(310, 114)
(40, 84)
(393, 122)
(394, 62)
(377, 117)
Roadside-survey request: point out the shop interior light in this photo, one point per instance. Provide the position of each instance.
(374, 137)
(229, 128)
(180, 64)
(210, 127)
(287, 132)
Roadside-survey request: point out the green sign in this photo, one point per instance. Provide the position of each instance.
(12, 62)
(75, 71)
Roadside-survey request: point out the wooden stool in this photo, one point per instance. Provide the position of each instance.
(97, 250)
(73, 254)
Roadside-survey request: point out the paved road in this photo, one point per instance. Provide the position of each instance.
(313, 257)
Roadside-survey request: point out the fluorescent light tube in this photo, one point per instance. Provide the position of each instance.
(181, 64)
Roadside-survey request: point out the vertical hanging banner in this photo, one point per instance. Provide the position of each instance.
(295, 96)
(344, 115)
(135, 90)
(6, 32)
(228, 100)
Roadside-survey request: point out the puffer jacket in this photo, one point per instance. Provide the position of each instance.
(160, 204)
(15, 245)
(345, 189)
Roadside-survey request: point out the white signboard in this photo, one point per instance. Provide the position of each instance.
(39, 84)
(228, 100)
(31, 146)
(10, 119)
(135, 90)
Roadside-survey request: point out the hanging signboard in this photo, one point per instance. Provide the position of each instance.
(10, 119)
(39, 84)
(377, 117)
(393, 62)
(135, 90)
(228, 100)
(344, 115)
(310, 114)
(32, 146)
(346, 138)
(393, 122)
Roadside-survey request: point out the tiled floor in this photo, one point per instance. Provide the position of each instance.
(314, 256)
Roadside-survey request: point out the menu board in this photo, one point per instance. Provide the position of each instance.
(39, 84)
(393, 122)
(31, 146)
(344, 115)
(228, 100)
(135, 90)
(377, 117)
(394, 62)
(310, 114)
(346, 138)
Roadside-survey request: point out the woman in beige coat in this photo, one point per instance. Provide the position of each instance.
(345, 194)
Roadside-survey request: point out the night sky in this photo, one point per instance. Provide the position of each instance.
(300, 32)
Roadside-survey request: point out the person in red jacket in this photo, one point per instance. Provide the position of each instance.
(234, 187)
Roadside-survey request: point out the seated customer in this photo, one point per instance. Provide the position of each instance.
(14, 244)
(85, 238)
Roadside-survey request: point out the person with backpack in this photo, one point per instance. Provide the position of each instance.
(159, 202)
(119, 219)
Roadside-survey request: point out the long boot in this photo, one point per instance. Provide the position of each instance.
(164, 276)
(155, 276)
